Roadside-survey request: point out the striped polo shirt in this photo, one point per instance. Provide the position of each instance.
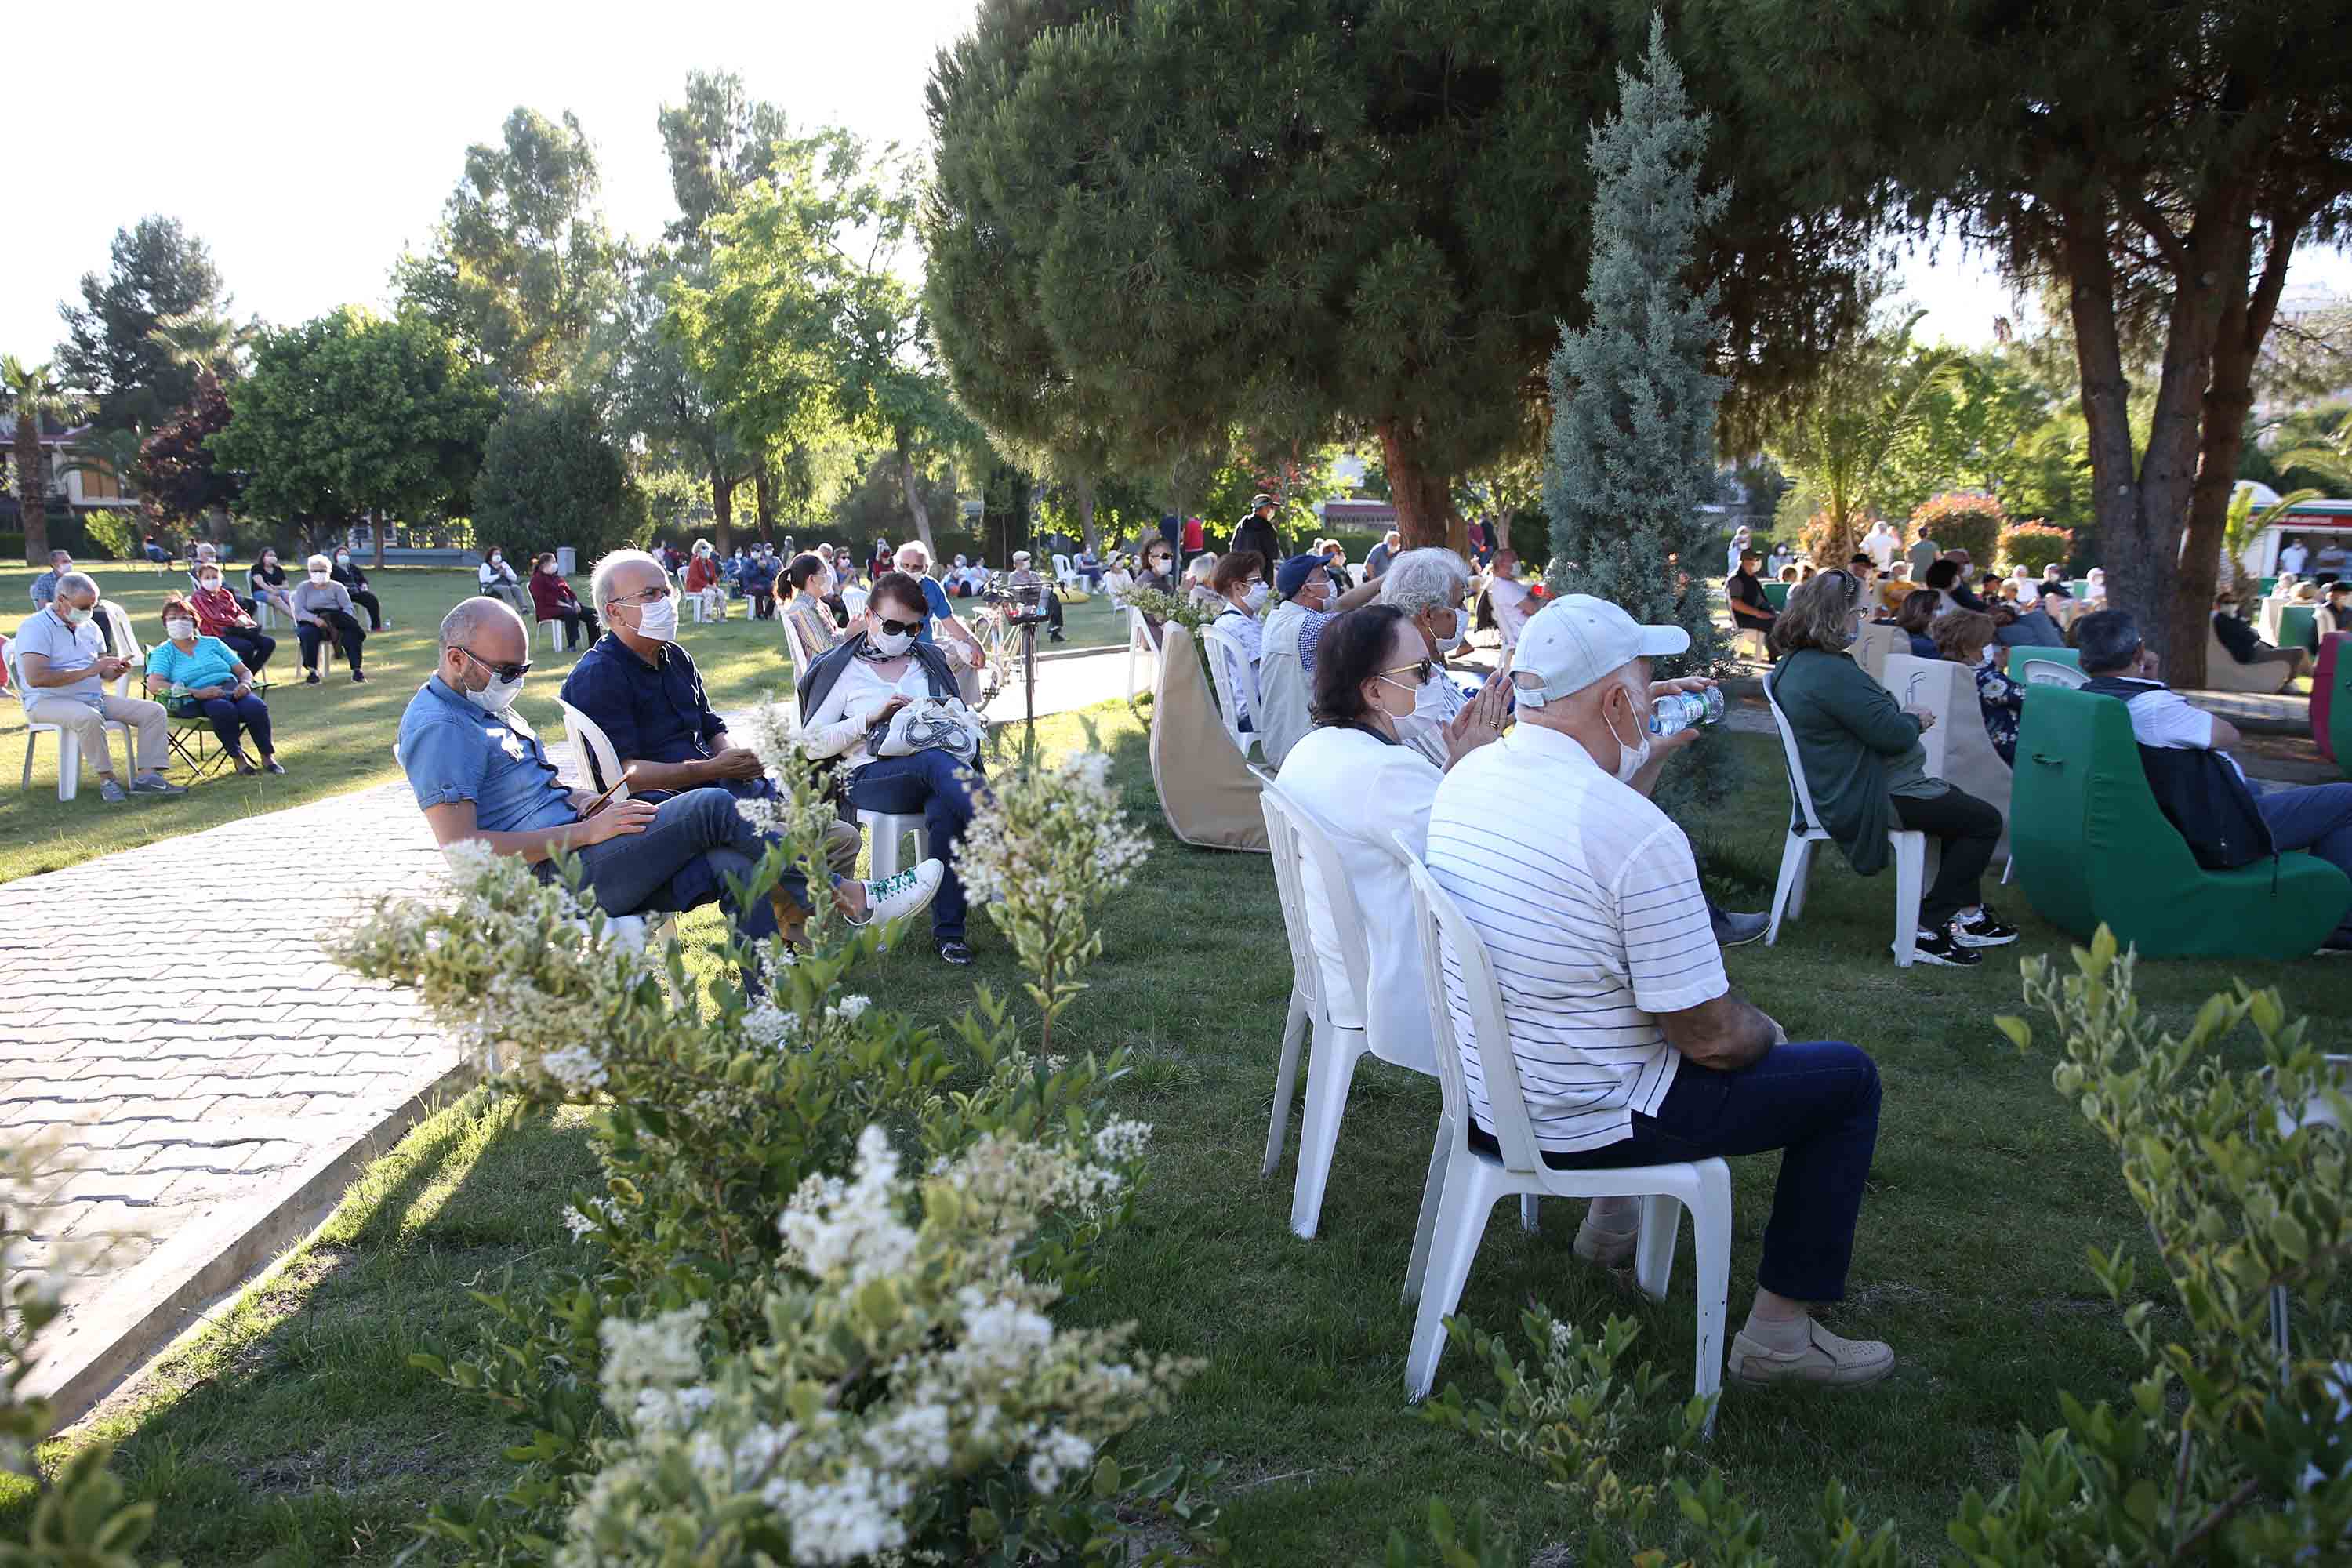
(1588, 902)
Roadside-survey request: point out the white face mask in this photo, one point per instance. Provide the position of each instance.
(1630, 759)
(658, 622)
(74, 618)
(496, 558)
(319, 577)
(497, 696)
(342, 560)
(180, 631)
(1255, 597)
(209, 585)
(1453, 639)
(892, 644)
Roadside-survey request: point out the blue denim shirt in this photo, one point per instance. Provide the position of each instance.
(936, 598)
(453, 751)
(651, 712)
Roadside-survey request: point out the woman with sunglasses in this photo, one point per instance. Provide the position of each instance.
(1362, 784)
(848, 698)
(1867, 772)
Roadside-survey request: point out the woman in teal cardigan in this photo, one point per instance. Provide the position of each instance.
(1867, 771)
(200, 676)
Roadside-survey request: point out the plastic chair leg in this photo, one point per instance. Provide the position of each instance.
(1711, 1251)
(1789, 895)
(1910, 879)
(1432, 1187)
(68, 764)
(32, 738)
(1528, 1222)
(1461, 1225)
(1331, 1062)
(1286, 1082)
(1654, 1250)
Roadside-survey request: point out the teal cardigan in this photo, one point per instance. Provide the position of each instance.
(1847, 729)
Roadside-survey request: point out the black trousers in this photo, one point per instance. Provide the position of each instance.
(575, 621)
(253, 648)
(1052, 613)
(347, 635)
(368, 602)
(1971, 830)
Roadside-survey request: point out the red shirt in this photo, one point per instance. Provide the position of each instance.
(550, 592)
(700, 575)
(216, 611)
(1192, 533)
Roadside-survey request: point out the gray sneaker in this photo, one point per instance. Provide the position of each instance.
(155, 783)
(110, 791)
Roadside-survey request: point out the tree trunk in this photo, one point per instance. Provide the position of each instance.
(1424, 500)
(375, 527)
(909, 477)
(2246, 317)
(722, 507)
(2142, 508)
(1088, 535)
(32, 500)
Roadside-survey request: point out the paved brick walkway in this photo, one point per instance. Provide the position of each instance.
(211, 1081)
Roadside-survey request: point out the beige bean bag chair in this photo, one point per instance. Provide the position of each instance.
(2224, 673)
(1205, 787)
(1958, 750)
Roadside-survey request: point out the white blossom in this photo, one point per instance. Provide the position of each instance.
(1057, 1454)
(576, 1068)
(1122, 1139)
(849, 1009)
(664, 1353)
(770, 1025)
(851, 1229)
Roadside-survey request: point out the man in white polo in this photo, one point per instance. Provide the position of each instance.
(66, 669)
(1632, 1048)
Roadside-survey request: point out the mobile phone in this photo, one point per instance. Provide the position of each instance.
(606, 799)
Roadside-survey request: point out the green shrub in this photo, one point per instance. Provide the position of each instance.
(2034, 545)
(113, 532)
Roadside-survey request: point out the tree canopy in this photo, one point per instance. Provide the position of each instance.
(552, 475)
(350, 412)
(156, 270)
(522, 266)
(1376, 226)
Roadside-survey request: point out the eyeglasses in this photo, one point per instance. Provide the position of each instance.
(1421, 671)
(653, 595)
(503, 671)
(899, 628)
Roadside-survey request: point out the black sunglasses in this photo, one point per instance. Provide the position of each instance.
(503, 671)
(899, 628)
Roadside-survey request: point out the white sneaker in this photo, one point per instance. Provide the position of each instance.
(896, 898)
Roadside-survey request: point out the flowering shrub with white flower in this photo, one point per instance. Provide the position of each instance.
(80, 1521)
(683, 1364)
(910, 1396)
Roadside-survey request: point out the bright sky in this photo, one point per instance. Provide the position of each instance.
(309, 144)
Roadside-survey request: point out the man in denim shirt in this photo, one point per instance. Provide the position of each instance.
(478, 773)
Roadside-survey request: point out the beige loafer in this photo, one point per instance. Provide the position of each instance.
(1826, 1358)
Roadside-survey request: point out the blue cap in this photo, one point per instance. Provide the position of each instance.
(1292, 575)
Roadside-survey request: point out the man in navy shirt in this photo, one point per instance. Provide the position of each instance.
(640, 687)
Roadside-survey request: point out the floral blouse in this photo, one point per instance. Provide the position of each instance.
(2003, 701)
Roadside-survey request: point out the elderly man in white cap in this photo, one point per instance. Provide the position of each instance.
(1021, 577)
(1632, 1048)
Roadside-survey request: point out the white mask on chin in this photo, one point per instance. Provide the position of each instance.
(658, 622)
(1453, 640)
(1630, 759)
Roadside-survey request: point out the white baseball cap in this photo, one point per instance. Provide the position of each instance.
(1576, 640)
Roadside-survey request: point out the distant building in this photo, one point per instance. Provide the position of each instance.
(82, 489)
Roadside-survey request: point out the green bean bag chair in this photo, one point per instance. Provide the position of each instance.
(2091, 846)
(2019, 657)
(1777, 594)
(2331, 701)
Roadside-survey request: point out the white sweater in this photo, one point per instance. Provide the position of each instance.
(837, 728)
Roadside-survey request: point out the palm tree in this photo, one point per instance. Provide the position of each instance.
(211, 345)
(31, 395)
(1873, 401)
(2331, 459)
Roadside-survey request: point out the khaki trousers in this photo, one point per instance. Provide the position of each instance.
(91, 724)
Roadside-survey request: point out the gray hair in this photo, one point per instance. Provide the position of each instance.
(1430, 578)
(600, 583)
(318, 564)
(915, 545)
(75, 584)
(471, 616)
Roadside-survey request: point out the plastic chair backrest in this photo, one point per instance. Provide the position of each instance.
(595, 751)
(2022, 658)
(800, 662)
(2082, 797)
(1138, 631)
(1282, 839)
(1299, 841)
(2298, 627)
(1444, 930)
(2050, 672)
(1801, 794)
(1221, 677)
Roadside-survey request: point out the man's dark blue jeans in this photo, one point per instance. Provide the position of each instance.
(1817, 1103)
(682, 860)
(2317, 818)
(942, 791)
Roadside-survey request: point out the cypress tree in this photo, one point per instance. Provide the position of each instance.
(1633, 402)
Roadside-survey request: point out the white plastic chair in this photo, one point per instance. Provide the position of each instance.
(1295, 838)
(554, 630)
(322, 657)
(2050, 672)
(885, 831)
(1139, 645)
(598, 761)
(265, 615)
(1464, 1183)
(1909, 846)
(126, 646)
(1064, 572)
(69, 741)
(1219, 645)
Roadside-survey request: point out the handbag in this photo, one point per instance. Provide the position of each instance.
(932, 725)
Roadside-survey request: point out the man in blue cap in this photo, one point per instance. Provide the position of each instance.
(1310, 601)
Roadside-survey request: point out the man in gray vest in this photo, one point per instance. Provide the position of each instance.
(1285, 672)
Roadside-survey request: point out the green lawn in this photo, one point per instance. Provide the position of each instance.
(294, 1434)
(338, 736)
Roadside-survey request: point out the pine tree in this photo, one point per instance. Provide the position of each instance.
(1634, 404)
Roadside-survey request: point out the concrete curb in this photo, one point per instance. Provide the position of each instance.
(211, 1254)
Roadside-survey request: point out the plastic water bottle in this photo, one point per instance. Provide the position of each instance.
(1678, 711)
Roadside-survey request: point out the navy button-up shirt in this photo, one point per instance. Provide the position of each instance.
(651, 712)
